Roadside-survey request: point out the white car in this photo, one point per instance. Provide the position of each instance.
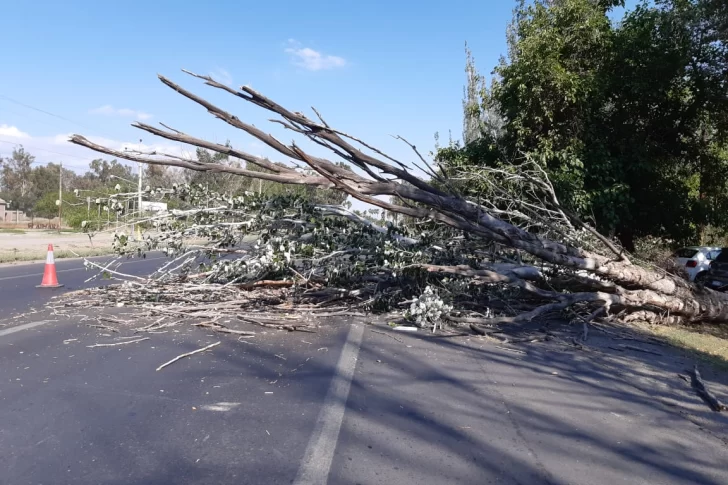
(696, 260)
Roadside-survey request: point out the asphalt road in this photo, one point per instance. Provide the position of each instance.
(242, 413)
(18, 292)
(351, 403)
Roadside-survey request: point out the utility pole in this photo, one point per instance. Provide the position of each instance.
(140, 181)
(60, 193)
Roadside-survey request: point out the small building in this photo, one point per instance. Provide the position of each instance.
(154, 207)
(3, 207)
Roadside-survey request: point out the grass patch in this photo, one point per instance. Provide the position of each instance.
(709, 343)
(11, 231)
(13, 255)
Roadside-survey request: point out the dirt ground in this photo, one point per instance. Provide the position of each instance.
(32, 245)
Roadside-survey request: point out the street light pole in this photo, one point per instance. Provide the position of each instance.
(140, 181)
(60, 193)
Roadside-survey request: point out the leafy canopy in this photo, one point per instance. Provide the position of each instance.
(628, 118)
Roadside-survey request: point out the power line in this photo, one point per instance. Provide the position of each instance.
(2, 96)
(26, 115)
(49, 151)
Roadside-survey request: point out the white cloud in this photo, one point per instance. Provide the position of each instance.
(12, 132)
(57, 148)
(109, 110)
(222, 76)
(312, 60)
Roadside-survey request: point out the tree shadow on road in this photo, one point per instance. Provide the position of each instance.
(537, 413)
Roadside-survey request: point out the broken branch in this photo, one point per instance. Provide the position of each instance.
(182, 356)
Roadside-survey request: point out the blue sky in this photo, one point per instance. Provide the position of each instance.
(371, 68)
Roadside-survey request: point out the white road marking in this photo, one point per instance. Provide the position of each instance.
(24, 326)
(220, 407)
(38, 275)
(316, 464)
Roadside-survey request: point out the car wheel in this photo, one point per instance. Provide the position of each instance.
(701, 278)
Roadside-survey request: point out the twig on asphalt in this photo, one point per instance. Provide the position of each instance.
(278, 325)
(106, 318)
(223, 329)
(509, 349)
(101, 325)
(182, 356)
(388, 335)
(703, 392)
(637, 349)
(117, 343)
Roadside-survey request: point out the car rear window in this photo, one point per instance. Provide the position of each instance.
(723, 256)
(686, 253)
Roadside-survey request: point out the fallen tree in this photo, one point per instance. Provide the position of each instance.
(456, 245)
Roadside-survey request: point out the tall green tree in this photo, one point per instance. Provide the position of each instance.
(44, 179)
(16, 182)
(217, 182)
(628, 118)
(102, 173)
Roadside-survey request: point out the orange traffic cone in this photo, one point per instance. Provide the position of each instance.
(50, 280)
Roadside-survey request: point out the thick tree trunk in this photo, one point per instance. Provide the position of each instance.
(626, 239)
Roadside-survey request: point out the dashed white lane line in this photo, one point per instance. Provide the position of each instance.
(316, 464)
(24, 326)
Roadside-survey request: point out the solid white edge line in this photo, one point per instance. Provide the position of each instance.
(24, 326)
(316, 464)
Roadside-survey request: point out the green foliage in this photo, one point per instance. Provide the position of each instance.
(313, 195)
(74, 210)
(15, 185)
(218, 182)
(104, 173)
(294, 237)
(231, 184)
(629, 119)
(46, 206)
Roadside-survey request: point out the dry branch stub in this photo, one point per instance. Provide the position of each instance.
(456, 245)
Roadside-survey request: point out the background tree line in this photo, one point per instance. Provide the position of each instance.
(629, 117)
(33, 189)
